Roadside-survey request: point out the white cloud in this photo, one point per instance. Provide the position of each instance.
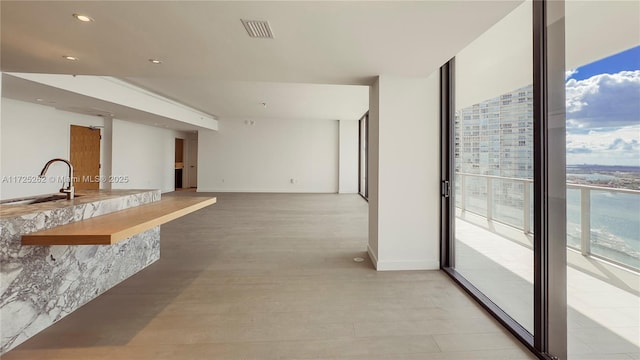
(604, 100)
(606, 146)
(570, 73)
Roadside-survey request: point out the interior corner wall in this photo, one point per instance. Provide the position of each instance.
(348, 173)
(269, 155)
(404, 191)
(145, 155)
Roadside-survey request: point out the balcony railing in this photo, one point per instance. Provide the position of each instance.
(600, 221)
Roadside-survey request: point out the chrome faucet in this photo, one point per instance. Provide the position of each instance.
(69, 190)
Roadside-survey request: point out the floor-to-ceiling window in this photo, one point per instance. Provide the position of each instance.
(363, 136)
(555, 250)
(493, 165)
(603, 179)
(503, 195)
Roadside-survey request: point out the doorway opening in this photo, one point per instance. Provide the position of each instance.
(179, 163)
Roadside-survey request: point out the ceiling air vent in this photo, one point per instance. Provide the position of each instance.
(258, 29)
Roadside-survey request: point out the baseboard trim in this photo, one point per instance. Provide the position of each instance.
(407, 265)
(401, 265)
(296, 191)
(372, 257)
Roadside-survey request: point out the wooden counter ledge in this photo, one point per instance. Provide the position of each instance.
(116, 226)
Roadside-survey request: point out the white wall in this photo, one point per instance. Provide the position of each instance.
(404, 191)
(265, 156)
(32, 135)
(348, 181)
(144, 154)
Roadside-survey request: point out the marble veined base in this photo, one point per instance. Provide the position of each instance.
(39, 285)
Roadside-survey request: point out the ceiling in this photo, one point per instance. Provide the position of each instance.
(24, 90)
(210, 63)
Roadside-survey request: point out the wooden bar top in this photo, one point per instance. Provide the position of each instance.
(116, 226)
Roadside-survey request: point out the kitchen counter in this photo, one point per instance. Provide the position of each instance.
(83, 197)
(117, 226)
(42, 284)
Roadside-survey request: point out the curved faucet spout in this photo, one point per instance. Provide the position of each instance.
(69, 190)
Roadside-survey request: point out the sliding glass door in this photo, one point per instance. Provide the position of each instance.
(503, 195)
(493, 165)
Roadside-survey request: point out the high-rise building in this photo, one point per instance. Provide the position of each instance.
(495, 136)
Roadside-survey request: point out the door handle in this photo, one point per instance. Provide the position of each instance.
(446, 188)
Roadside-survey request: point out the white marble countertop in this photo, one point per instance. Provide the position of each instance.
(82, 197)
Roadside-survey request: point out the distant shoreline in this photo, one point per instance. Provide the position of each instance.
(607, 168)
(613, 176)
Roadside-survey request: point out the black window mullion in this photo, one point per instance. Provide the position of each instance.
(447, 106)
(540, 176)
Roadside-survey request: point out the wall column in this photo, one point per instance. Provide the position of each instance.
(107, 148)
(404, 163)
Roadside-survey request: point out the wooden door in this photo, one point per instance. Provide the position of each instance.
(179, 158)
(85, 157)
(193, 163)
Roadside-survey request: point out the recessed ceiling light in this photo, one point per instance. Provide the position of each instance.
(83, 18)
(155, 61)
(71, 58)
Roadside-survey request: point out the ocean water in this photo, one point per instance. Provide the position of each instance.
(594, 177)
(615, 225)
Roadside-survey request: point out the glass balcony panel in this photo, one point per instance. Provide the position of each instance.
(573, 218)
(475, 189)
(508, 202)
(615, 226)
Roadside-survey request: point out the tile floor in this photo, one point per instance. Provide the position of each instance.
(271, 276)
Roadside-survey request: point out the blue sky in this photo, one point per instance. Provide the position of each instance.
(626, 60)
(603, 111)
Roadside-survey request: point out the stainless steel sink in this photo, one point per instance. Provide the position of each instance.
(34, 200)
